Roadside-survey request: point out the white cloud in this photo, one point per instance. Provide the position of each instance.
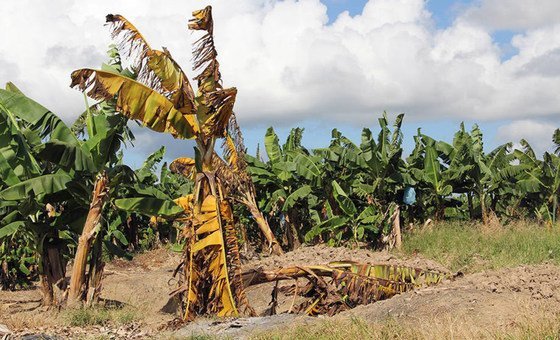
(538, 134)
(514, 14)
(290, 65)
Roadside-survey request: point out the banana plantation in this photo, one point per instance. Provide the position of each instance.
(69, 204)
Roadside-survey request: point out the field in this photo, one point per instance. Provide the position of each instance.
(355, 239)
(503, 292)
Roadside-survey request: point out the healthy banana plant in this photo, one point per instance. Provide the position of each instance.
(290, 183)
(354, 222)
(556, 141)
(29, 188)
(426, 167)
(539, 181)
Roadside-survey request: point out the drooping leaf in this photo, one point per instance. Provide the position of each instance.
(298, 194)
(184, 165)
(149, 206)
(68, 156)
(41, 185)
(11, 228)
(155, 69)
(272, 145)
(344, 202)
(148, 168)
(136, 101)
(41, 119)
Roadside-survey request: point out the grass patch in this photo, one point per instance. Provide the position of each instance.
(99, 316)
(357, 328)
(471, 248)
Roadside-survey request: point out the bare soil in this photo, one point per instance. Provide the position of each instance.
(484, 302)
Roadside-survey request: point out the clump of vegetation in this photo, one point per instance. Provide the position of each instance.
(472, 247)
(347, 193)
(81, 317)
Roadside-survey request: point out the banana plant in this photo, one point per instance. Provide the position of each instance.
(291, 183)
(427, 169)
(44, 160)
(162, 99)
(384, 167)
(33, 193)
(353, 222)
(540, 183)
(556, 141)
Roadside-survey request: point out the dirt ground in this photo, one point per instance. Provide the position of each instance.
(486, 301)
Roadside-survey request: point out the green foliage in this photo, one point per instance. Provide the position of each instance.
(347, 192)
(150, 206)
(47, 175)
(100, 316)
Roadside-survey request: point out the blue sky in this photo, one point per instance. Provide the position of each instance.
(318, 131)
(491, 62)
(318, 134)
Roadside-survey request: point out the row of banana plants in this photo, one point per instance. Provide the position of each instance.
(347, 192)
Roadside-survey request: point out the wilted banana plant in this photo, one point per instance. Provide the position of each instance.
(163, 100)
(339, 286)
(236, 180)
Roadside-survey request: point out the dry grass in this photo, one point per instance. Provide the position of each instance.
(357, 328)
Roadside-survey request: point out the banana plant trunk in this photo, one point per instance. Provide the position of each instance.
(4, 275)
(291, 230)
(555, 212)
(95, 275)
(78, 283)
(52, 274)
(273, 244)
(470, 203)
(211, 281)
(397, 229)
(440, 210)
(482, 198)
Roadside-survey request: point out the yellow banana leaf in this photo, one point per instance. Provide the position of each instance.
(136, 101)
(185, 166)
(415, 276)
(223, 291)
(214, 122)
(185, 202)
(202, 19)
(156, 69)
(230, 154)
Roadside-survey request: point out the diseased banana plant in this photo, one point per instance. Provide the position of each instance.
(163, 100)
(239, 183)
(339, 286)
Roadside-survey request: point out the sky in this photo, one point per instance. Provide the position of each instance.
(319, 64)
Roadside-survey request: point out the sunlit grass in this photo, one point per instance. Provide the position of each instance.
(472, 247)
(357, 328)
(81, 317)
